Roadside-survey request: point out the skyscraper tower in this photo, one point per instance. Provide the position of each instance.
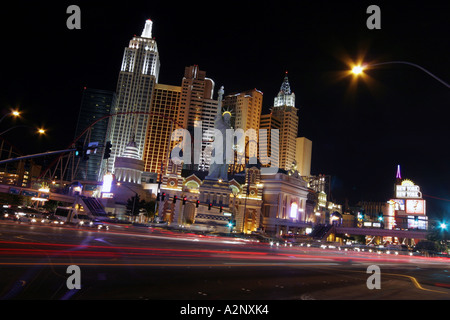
(284, 109)
(197, 105)
(137, 79)
(195, 88)
(268, 154)
(246, 108)
(95, 104)
(165, 107)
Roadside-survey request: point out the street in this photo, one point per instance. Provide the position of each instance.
(137, 263)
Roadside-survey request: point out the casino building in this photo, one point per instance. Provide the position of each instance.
(248, 202)
(408, 209)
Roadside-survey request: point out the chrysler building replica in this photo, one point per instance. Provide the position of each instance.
(285, 111)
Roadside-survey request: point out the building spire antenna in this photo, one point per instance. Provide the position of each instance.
(147, 32)
(398, 176)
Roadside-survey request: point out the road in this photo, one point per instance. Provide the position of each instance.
(135, 263)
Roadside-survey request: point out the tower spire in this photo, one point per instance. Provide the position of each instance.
(285, 86)
(285, 97)
(398, 177)
(147, 32)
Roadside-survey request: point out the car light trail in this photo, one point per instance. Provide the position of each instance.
(291, 255)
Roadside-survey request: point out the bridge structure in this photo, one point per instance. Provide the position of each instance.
(333, 232)
(408, 234)
(66, 165)
(36, 194)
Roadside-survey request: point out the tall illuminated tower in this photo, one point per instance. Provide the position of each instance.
(137, 79)
(246, 108)
(162, 122)
(195, 88)
(198, 106)
(284, 109)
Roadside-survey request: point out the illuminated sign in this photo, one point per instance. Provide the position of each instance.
(415, 206)
(29, 193)
(14, 191)
(92, 148)
(415, 222)
(38, 199)
(107, 195)
(399, 204)
(107, 182)
(408, 190)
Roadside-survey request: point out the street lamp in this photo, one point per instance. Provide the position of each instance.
(40, 131)
(14, 113)
(359, 69)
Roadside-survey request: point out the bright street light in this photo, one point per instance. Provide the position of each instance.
(443, 226)
(358, 69)
(40, 131)
(14, 113)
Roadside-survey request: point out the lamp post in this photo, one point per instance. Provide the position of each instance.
(40, 131)
(15, 113)
(359, 69)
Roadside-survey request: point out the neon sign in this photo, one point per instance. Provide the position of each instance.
(407, 190)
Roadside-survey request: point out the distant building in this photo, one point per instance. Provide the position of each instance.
(18, 173)
(303, 154)
(95, 104)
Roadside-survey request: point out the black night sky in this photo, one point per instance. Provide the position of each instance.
(360, 130)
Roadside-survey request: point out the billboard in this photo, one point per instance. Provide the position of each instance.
(399, 204)
(407, 190)
(415, 206)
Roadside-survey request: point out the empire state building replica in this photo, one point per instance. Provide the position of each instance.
(137, 79)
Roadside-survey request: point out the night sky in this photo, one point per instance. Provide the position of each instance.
(360, 130)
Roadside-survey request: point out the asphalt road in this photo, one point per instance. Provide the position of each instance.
(152, 264)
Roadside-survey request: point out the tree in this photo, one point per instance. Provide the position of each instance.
(51, 205)
(133, 206)
(149, 207)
